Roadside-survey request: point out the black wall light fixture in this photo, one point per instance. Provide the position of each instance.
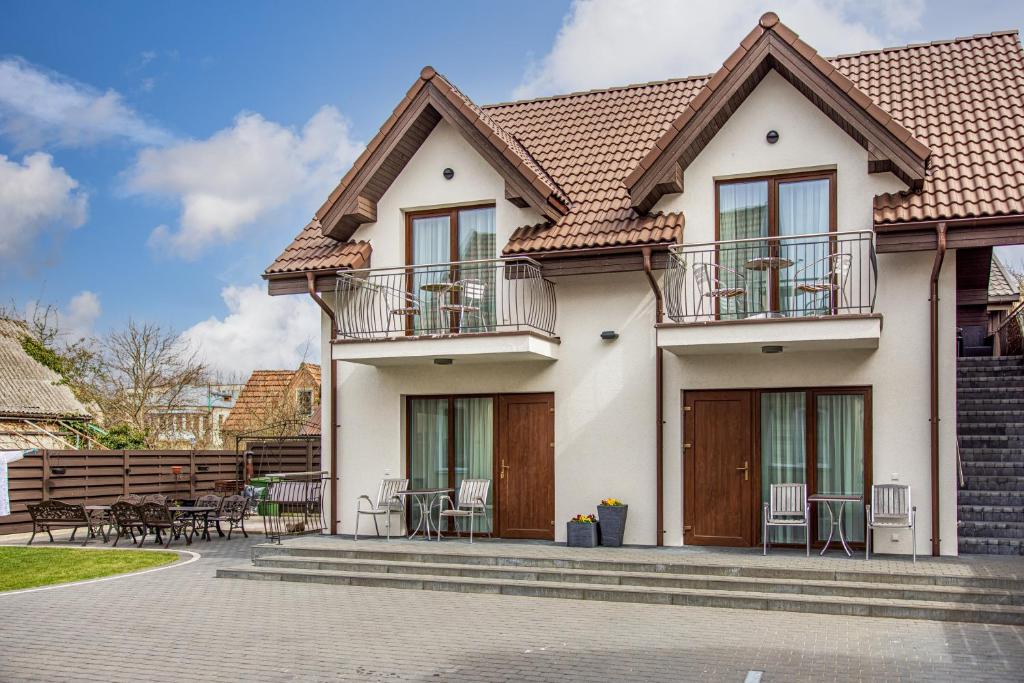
(448, 173)
(772, 137)
(443, 361)
(609, 335)
(771, 349)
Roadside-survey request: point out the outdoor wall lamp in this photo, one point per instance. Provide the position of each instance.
(443, 361)
(771, 349)
(609, 335)
(448, 174)
(772, 137)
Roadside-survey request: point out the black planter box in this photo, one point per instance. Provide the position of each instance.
(581, 534)
(612, 519)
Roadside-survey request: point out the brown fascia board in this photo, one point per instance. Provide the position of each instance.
(353, 202)
(772, 45)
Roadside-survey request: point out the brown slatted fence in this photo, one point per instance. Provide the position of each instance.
(99, 477)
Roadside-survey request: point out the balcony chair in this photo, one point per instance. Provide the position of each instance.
(710, 285)
(471, 294)
(787, 507)
(472, 503)
(387, 503)
(890, 508)
(821, 279)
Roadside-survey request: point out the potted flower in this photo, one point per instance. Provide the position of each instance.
(612, 513)
(581, 531)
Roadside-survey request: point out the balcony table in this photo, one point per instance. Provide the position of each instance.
(194, 512)
(763, 263)
(439, 289)
(424, 499)
(835, 517)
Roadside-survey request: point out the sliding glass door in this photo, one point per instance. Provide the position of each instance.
(450, 439)
(820, 437)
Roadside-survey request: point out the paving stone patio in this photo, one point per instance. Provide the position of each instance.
(181, 623)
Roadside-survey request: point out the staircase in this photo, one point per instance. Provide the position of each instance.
(990, 408)
(781, 585)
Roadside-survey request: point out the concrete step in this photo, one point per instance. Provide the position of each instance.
(991, 441)
(984, 381)
(1000, 498)
(991, 546)
(426, 553)
(1009, 484)
(857, 606)
(989, 513)
(991, 530)
(654, 579)
(1005, 454)
(987, 402)
(972, 416)
(990, 391)
(993, 468)
(967, 427)
(1000, 362)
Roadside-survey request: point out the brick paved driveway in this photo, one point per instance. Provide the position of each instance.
(182, 624)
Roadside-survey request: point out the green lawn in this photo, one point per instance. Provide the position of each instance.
(31, 567)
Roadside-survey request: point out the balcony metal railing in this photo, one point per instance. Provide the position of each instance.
(794, 276)
(464, 297)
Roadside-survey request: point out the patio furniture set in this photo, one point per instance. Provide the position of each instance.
(459, 299)
(471, 503)
(143, 515)
(788, 506)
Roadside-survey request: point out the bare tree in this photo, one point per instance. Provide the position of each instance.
(145, 367)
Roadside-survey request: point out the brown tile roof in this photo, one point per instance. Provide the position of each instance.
(1001, 285)
(28, 388)
(312, 250)
(262, 400)
(961, 98)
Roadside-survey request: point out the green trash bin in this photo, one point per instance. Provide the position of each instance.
(265, 509)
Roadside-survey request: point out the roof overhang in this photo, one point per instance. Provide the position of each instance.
(773, 46)
(992, 231)
(431, 99)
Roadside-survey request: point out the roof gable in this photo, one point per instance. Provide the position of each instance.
(773, 46)
(432, 98)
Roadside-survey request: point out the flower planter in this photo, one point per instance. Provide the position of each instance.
(580, 534)
(612, 519)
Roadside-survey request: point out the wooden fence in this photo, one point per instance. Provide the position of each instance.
(99, 477)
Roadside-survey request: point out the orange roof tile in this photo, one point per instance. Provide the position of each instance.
(261, 399)
(312, 250)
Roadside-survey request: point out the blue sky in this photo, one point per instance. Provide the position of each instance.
(226, 123)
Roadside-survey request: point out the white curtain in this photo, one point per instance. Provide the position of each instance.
(478, 241)
(743, 214)
(783, 449)
(840, 458)
(804, 209)
(431, 244)
(474, 446)
(428, 443)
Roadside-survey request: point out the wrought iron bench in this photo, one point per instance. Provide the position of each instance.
(55, 513)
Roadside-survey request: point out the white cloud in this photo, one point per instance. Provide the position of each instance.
(240, 174)
(80, 315)
(259, 331)
(36, 199)
(615, 42)
(39, 107)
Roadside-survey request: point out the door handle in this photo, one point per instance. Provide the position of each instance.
(503, 468)
(745, 469)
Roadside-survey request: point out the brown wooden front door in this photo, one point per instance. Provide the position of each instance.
(525, 465)
(718, 468)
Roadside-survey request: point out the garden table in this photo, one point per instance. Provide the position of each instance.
(194, 512)
(835, 517)
(424, 499)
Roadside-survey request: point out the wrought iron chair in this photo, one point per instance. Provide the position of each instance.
(387, 503)
(126, 519)
(890, 508)
(713, 284)
(822, 279)
(787, 507)
(209, 500)
(472, 503)
(158, 518)
(158, 498)
(131, 498)
(231, 512)
(471, 293)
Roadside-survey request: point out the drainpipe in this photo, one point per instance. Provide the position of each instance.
(659, 407)
(933, 300)
(332, 439)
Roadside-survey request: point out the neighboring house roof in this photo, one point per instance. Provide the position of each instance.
(205, 397)
(958, 102)
(1001, 285)
(265, 390)
(28, 388)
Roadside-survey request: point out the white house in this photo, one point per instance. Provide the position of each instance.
(672, 293)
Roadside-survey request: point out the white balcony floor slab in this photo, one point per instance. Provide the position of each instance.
(792, 334)
(461, 349)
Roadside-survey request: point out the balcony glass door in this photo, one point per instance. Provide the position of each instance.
(430, 248)
(804, 209)
(742, 215)
(477, 242)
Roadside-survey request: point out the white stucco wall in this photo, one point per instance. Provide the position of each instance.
(604, 400)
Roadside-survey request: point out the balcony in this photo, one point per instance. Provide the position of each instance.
(802, 292)
(443, 313)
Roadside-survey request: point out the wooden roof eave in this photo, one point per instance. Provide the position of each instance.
(772, 46)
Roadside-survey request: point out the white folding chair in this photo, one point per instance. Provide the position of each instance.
(387, 503)
(890, 508)
(472, 503)
(787, 507)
